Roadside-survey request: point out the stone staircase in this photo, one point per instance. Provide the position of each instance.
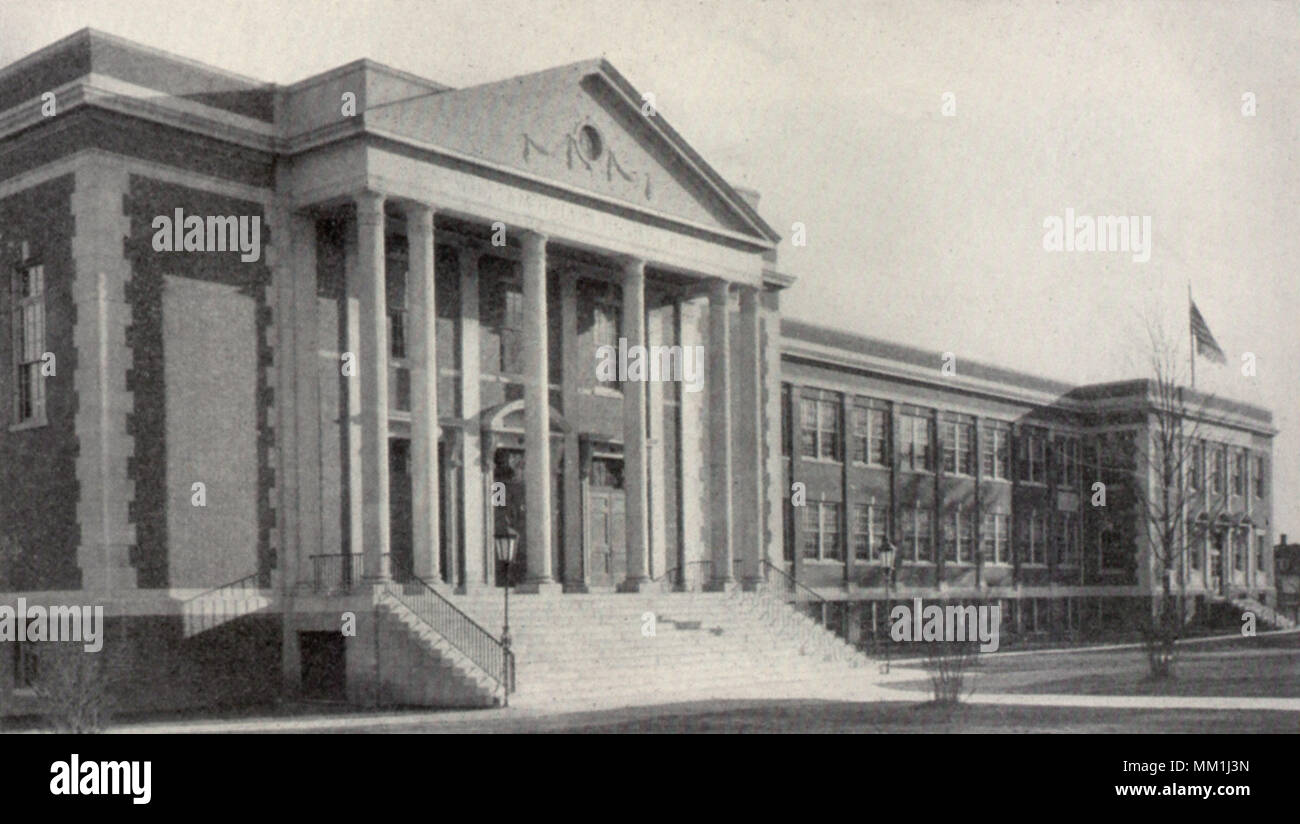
(429, 670)
(603, 650)
(1264, 613)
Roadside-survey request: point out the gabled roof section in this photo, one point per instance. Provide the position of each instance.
(582, 126)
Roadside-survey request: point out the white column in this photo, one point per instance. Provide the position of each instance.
(424, 394)
(636, 518)
(748, 517)
(373, 367)
(472, 574)
(537, 416)
(719, 377)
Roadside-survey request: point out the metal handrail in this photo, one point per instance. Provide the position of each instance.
(344, 579)
(793, 584)
(248, 582)
(674, 580)
(459, 629)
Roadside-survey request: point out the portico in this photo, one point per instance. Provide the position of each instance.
(468, 296)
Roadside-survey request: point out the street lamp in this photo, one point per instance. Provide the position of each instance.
(887, 559)
(507, 541)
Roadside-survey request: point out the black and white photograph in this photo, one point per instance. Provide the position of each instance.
(741, 367)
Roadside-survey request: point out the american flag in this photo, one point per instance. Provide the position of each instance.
(1205, 343)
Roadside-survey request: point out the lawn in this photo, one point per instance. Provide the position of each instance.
(1266, 666)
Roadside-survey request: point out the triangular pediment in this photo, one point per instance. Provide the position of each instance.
(582, 127)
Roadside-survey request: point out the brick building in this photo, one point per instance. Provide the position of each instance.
(232, 447)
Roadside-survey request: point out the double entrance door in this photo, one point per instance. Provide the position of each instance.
(607, 536)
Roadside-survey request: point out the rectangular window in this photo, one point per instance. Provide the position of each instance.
(1032, 456)
(1238, 472)
(821, 524)
(1261, 554)
(1195, 455)
(1038, 538)
(812, 531)
(862, 532)
(29, 343)
(1067, 461)
(1238, 538)
(832, 545)
(819, 438)
(870, 435)
(511, 330)
(915, 442)
(995, 538)
(1194, 545)
(605, 331)
(923, 532)
(1111, 547)
(995, 448)
(1261, 469)
(1067, 539)
(958, 447)
(1216, 473)
(924, 536)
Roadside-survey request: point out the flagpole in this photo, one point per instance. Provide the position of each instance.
(1191, 332)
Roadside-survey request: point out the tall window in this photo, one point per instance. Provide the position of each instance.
(1195, 455)
(918, 534)
(1238, 539)
(821, 532)
(1238, 472)
(511, 330)
(819, 418)
(958, 447)
(1067, 539)
(605, 327)
(995, 447)
(1260, 469)
(915, 436)
(1033, 538)
(869, 522)
(1033, 456)
(29, 343)
(995, 538)
(1261, 553)
(959, 535)
(871, 435)
(1216, 472)
(1067, 461)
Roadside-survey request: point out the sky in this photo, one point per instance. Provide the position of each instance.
(834, 112)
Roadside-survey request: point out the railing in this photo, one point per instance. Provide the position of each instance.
(804, 595)
(771, 597)
(459, 630)
(691, 577)
(200, 612)
(332, 574)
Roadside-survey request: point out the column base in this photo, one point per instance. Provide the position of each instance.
(579, 588)
(635, 585)
(543, 587)
(752, 584)
(722, 585)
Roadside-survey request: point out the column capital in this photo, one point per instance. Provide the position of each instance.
(532, 239)
(719, 287)
(631, 264)
(370, 205)
(418, 215)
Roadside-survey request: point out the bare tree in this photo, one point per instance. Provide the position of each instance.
(1162, 457)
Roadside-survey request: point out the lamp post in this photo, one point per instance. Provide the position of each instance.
(506, 540)
(887, 559)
